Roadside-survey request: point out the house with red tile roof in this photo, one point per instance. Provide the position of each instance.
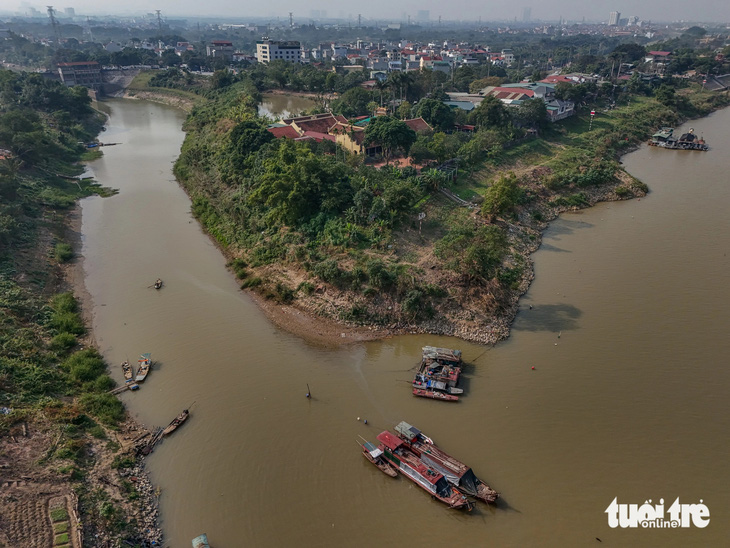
(419, 125)
(286, 132)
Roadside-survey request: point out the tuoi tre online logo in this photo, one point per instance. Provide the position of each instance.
(648, 516)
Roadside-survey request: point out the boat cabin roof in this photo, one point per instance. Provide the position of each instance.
(407, 431)
(370, 448)
(389, 440)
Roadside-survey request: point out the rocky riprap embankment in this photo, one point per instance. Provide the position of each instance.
(148, 512)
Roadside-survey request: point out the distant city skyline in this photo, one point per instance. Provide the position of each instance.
(715, 11)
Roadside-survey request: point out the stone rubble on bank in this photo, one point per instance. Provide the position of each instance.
(149, 533)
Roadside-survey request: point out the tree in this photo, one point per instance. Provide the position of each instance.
(532, 113)
(354, 102)
(502, 196)
(435, 113)
(665, 94)
(477, 85)
(391, 134)
(491, 113)
(404, 110)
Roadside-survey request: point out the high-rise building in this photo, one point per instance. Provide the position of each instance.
(526, 15)
(614, 18)
(633, 20)
(423, 15)
(70, 12)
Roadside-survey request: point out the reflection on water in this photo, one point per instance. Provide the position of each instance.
(283, 106)
(629, 396)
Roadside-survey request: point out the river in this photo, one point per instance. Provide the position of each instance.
(629, 398)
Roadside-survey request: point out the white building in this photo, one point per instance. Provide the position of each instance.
(274, 50)
(614, 17)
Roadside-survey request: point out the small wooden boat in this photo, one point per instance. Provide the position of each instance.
(177, 421)
(201, 541)
(434, 395)
(375, 455)
(145, 362)
(158, 284)
(129, 376)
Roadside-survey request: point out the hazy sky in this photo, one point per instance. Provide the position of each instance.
(598, 10)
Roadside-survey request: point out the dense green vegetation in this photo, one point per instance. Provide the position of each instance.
(43, 126)
(315, 209)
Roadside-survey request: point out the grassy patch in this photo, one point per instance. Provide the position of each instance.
(59, 514)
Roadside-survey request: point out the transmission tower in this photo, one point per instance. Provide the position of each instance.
(88, 28)
(54, 23)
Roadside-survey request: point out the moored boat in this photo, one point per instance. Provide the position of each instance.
(158, 283)
(145, 362)
(129, 376)
(410, 465)
(375, 455)
(201, 541)
(434, 395)
(177, 421)
(455, 472)
(438, 374)
(665, 138)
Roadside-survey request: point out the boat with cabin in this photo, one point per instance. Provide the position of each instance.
(145, 362)
(455, 472)
(397, 452)
(177, 421)
(665, 138)
(438, 374)
(129, 376)
(158, 284)
(375, 455)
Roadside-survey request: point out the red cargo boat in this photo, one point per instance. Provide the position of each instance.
(410, 465)
(455, 472)
(434, 395)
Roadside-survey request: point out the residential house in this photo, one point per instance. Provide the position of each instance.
(558, 109)
(220, 49)
(658, 61)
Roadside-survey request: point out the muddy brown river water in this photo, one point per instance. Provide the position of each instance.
(629, 398)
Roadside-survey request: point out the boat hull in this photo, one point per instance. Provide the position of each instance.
(432, 394)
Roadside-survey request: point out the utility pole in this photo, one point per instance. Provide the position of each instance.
(291, 20)
(159, 21)
(54, 24)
